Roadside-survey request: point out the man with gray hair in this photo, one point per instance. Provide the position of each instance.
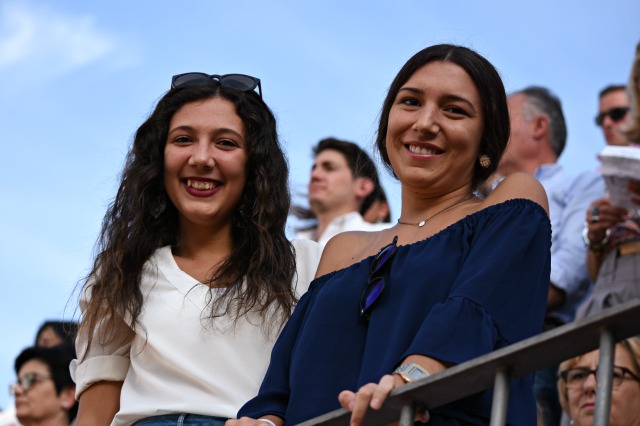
(538, 137)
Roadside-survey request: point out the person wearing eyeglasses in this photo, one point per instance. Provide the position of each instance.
(613, 114)
(194, 276)
(577, 386)
(455, 278)
(44, 391)
(50, 333)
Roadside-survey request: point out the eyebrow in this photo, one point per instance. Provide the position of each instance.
(325, 163)
(222, 130)
(447, 97)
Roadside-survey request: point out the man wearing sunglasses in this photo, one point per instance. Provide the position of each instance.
(613, 114)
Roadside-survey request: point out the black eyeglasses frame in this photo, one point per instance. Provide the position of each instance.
(617, 380)
(243, 82)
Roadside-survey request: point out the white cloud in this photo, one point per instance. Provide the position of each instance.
(39, 38)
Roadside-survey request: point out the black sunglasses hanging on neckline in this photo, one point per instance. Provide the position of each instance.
(376, 283)
(243, 82)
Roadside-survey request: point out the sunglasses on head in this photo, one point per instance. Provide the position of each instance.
(616, 114)
(374, 287)
(242, 82)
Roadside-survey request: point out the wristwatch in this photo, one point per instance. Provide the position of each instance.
(411, 372)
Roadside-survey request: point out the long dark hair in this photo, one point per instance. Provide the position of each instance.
(132, 229)
(489, 85)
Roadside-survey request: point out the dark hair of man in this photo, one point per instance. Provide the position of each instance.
(611, 88)
(65, 330)
(545, 102)
(57, 360)
(490, 88)
(131, 233)
(359, 162)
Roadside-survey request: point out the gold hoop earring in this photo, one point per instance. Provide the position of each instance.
(484, 161)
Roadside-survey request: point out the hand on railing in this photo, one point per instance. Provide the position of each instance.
(372, 395)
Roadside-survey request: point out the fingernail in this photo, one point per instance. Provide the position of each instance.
(375, 403)
(352, 404)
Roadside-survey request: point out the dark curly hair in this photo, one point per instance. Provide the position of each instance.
(132, 231)
(490, 88)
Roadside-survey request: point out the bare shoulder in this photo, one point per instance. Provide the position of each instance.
(347, 248)
(519, 185)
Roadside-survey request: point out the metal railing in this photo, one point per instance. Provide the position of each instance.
(496, 370)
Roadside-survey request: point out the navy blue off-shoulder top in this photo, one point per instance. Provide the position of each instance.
(476, 286)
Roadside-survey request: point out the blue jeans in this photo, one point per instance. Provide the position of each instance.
(184, 419)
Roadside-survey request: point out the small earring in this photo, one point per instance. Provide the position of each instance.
(159, 206)
(484, 161)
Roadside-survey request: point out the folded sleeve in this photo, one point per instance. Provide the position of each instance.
(100, 362)
(500, 292)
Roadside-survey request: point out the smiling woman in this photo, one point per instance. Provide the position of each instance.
(194, 277)
(204, 162)
(456, 278)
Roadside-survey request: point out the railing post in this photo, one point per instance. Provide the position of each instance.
(500, 397)
(408, 413)
(604, 378)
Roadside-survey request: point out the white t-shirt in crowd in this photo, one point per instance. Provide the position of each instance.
(349, 222)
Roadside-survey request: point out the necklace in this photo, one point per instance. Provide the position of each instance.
(424, 222)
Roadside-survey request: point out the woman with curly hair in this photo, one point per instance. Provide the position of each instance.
(194, 276)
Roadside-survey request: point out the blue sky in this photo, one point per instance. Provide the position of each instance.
(79, 77)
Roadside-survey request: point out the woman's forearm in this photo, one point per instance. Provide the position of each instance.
(99, 404)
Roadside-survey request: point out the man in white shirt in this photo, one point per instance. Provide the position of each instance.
(343, 185)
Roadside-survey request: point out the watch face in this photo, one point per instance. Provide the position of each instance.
(411, 372)
(415, 373)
